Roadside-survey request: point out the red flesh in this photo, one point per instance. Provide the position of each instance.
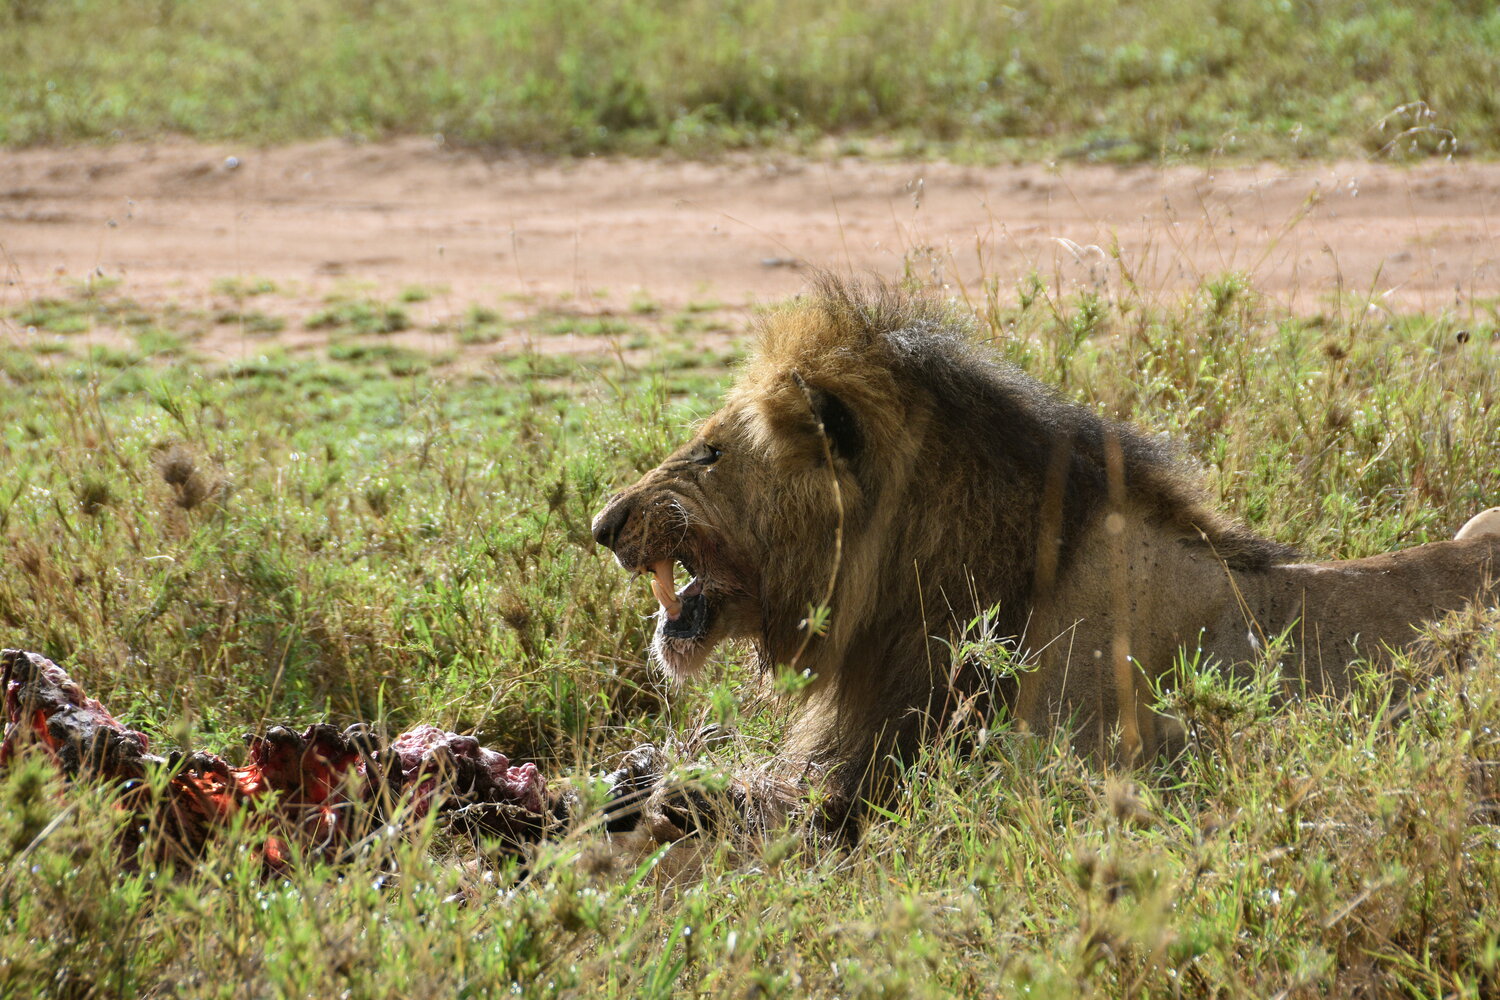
(329, 787)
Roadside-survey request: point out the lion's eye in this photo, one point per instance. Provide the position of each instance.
(707, 454)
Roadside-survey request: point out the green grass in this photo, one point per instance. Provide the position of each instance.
(1104, 78)
(296, 538)
(242, 288)
(79, 311)
(257, 322)
(359, 316)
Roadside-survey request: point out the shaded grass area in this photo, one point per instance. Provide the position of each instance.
(299, 538)
(1039, 77)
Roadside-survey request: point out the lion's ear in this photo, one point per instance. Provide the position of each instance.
(839, 423)
(835, 420)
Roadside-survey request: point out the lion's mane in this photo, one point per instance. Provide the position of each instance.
(877, 460)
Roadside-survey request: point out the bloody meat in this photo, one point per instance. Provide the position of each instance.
(316, 793)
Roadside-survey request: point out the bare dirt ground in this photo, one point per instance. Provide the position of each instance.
(173, 220)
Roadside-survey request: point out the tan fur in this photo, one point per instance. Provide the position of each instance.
(871, 449)
(1486, 522)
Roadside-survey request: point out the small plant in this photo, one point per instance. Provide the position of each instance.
(361, 317)
(1219, 704)
(242, 288)
(251, 321)
(94, 494)
(481, 325)
(65, 316)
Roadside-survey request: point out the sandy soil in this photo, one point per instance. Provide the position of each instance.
(173, 219)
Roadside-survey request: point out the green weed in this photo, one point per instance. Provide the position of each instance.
(1057, 78)
(242, 288)
(251, 321)
(298, 538)
(361, 317)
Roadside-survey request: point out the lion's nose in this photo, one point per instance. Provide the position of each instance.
(610, 520)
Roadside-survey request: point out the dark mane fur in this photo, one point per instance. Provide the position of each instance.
(878, 462)
(1025, 424)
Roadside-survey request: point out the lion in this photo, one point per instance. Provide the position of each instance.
(876, 460)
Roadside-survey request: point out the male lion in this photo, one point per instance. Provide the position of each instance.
(875, 459)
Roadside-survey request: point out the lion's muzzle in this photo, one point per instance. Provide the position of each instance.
(648, 535)
(609, 521)
(614, 530)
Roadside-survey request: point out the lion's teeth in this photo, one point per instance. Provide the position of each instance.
(661, 586)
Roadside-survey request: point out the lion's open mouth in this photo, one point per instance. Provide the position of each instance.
(684, 613)
(687, 619)
(704, 592)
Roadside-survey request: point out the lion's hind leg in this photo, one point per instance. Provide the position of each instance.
(1486, 522)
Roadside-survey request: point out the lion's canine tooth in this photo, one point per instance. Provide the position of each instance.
(661, 586)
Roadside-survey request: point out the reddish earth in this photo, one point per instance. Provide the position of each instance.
(171, 220)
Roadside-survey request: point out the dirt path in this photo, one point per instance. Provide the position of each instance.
(173, 220)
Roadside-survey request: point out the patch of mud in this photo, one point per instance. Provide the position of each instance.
(594, 237)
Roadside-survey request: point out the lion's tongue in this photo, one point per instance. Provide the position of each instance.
(661, 586)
